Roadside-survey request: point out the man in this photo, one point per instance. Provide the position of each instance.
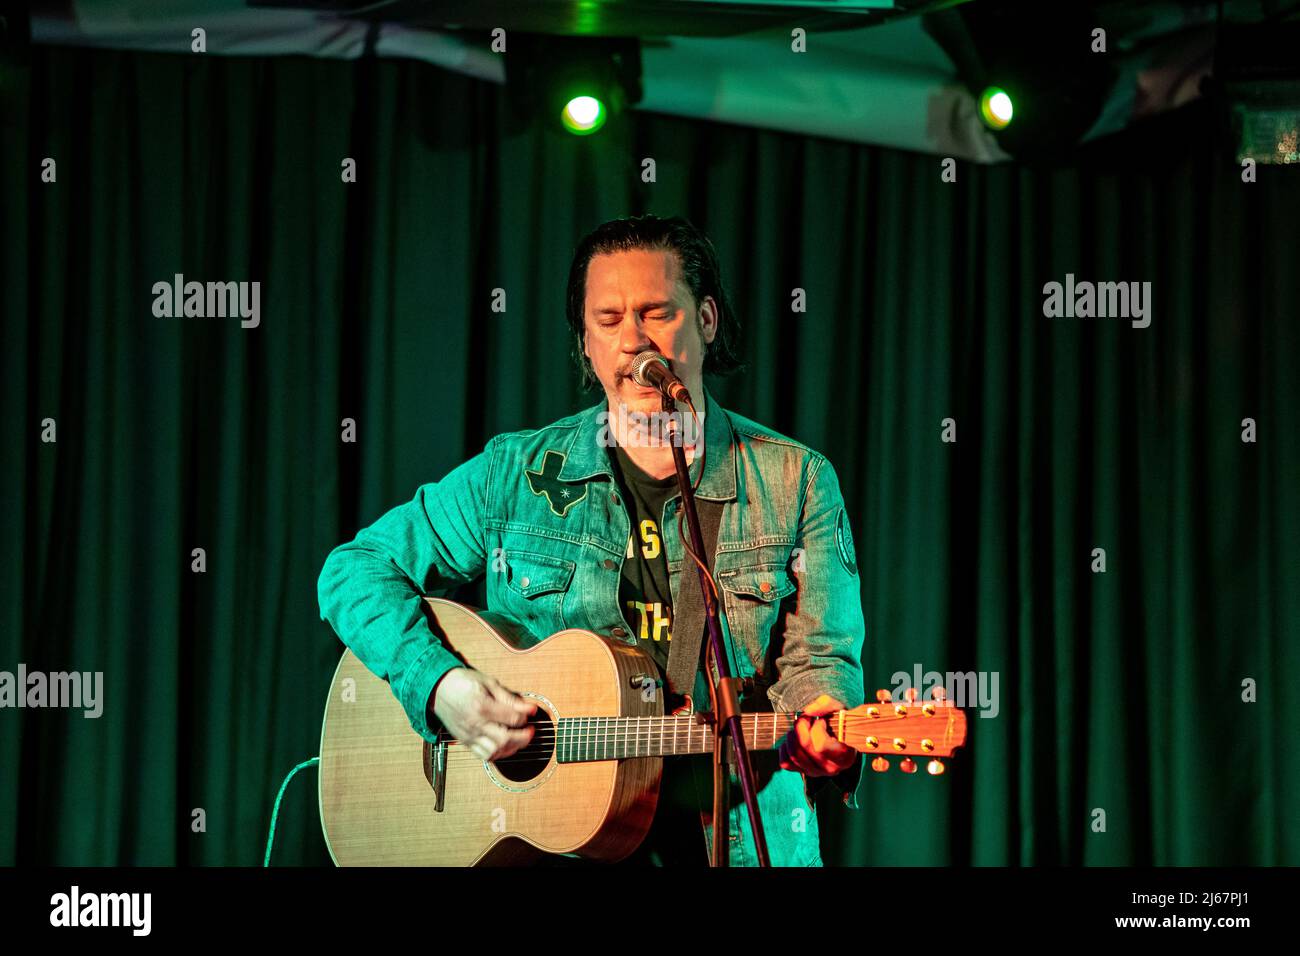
(575, 525)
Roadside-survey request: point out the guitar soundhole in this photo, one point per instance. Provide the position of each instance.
(529, 762)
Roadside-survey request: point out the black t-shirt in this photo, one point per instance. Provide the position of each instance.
(644, 593)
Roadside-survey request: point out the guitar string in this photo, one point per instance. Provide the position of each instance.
(629, 727)
(633, 726)
(597, 753)
(591, 739)
(590, 754)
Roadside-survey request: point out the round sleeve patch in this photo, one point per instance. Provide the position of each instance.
(844, 542)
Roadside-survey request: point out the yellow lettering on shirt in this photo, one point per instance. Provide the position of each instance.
(645, 624)
(662, 622)
(656, 620)
(649, 539)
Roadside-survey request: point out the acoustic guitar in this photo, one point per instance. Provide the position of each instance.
(588, 781)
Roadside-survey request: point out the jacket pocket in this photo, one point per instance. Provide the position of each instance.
(753, 595)
(530, 575)
(535, 589)
(765, 582)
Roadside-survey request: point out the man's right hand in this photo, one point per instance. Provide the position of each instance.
(480, 713)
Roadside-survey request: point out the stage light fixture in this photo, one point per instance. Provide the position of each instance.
(583, 115)
(574, 84)
(1035, 82)
(996, 107)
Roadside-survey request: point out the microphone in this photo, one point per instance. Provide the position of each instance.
(651, 370)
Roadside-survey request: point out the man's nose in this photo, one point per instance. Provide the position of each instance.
(634, 340)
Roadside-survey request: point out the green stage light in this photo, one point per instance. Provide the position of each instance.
(583, 115)
(996, 107)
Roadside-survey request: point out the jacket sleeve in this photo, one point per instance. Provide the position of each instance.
(371, 589)
(824, 625)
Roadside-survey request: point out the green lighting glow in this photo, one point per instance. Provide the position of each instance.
(583, 115)
(996, 107)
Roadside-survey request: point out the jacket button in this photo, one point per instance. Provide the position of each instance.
(609, 564)
(619, 632)
(765, 586)
(523, 582)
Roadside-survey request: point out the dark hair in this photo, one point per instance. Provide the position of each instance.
(700, 271)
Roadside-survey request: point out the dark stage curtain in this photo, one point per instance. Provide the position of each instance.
(1118, 691)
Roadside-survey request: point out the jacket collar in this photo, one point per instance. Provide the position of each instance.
(587, 457)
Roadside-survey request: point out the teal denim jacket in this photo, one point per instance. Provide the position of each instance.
(551, 544)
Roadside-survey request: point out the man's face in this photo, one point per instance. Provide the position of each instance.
(636, 301)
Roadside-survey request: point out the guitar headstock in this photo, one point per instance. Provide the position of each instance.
(911, 728)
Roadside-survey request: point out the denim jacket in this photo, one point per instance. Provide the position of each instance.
(537, 513)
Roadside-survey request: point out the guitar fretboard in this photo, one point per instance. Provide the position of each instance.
(613, 738)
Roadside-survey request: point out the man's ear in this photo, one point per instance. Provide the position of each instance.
(709, 319)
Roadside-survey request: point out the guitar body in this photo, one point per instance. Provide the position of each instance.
(378, 796)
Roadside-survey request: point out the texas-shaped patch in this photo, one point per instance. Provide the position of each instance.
(560, 495)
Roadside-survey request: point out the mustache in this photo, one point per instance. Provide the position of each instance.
(626, 371)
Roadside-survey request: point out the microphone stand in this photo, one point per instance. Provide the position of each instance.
(726, 700)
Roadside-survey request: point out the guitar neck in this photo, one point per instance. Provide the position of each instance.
(928, 729)
(612, 738)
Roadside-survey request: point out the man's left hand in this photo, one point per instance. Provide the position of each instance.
(809, 747)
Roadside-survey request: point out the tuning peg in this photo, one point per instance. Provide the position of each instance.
(938, 693)
(908, 765)
(884, 696)
(935, 767)
(910, 695)
(880, 764)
